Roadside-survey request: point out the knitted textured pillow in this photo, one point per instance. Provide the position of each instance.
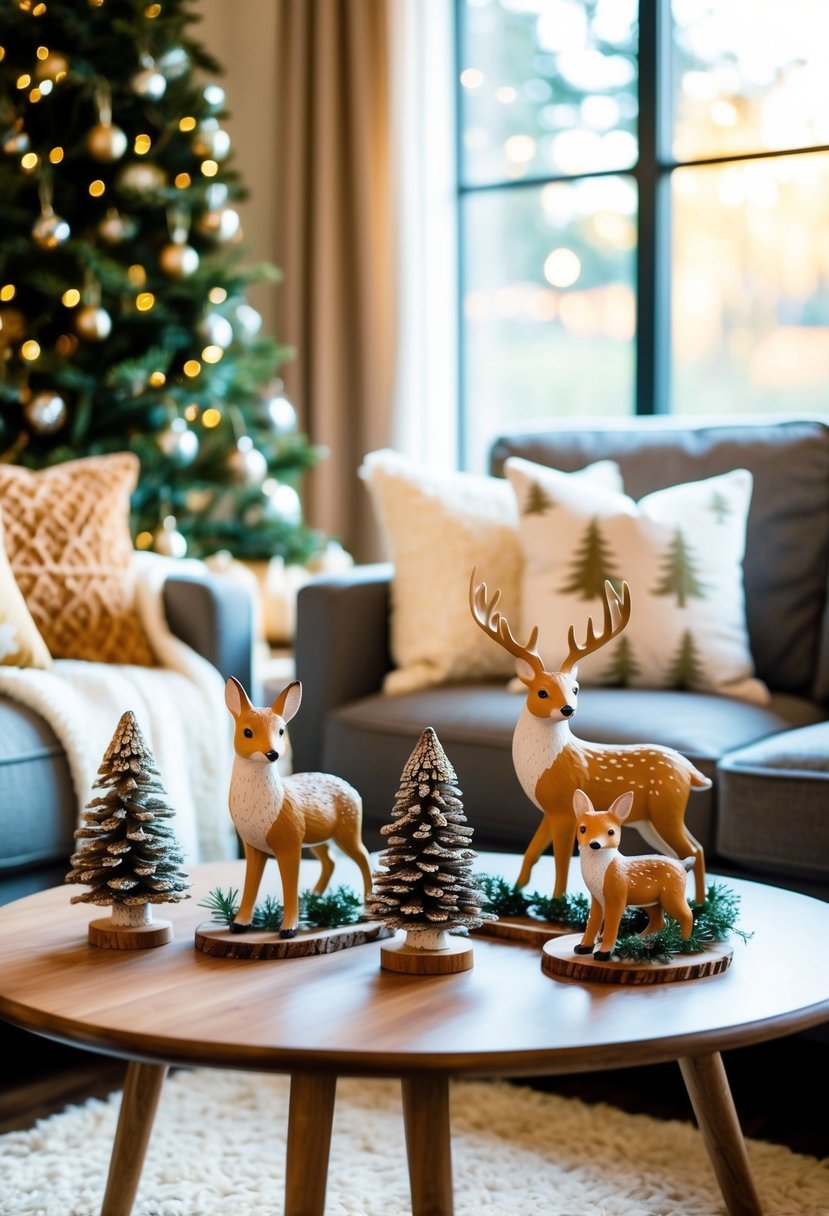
(20, 643)
(69, 544)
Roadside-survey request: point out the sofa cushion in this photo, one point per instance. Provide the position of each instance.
(369, 741)
(774, 804)
(787, 556)
(20, 642)
(68, 539)
(38, 809)
(437, 526)
(680, 550)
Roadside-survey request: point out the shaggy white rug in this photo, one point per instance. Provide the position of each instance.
(218, 1149)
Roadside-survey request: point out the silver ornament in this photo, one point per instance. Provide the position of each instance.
(216, 330)
(282, 414)
(247, 464)
(149, 83)
(211, 140)
(248, 320)
(281, 502)
(178, 260)
(50, 230)
(167, 539)
(178, 442)
(141, 177)
(214, 95)
(106, 142)
(93, 324)
(16, 141)
(45, 412)
(174, 63)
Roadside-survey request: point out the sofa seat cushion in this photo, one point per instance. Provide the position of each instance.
(368, 742)
(38, 808)
(774, 804)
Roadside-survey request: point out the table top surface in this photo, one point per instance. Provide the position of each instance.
(341, 1012)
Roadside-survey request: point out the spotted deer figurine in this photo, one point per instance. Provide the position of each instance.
(655, 884)
(277, 816)
(551, 763)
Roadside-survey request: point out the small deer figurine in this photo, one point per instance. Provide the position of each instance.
(656, 884)
(551, 763)
(276, 816)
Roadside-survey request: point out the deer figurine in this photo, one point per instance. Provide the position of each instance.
(551, 763)
(276, 816)
(655, 884)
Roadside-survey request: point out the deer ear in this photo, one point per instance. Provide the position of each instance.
(621, 808)
(525, 671)
(574, 672)
(581, 803)
(288, 701)
(236, 699)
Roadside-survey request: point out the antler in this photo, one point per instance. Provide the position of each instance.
(496, 626)
(614, 607)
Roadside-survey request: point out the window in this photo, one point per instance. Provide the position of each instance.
(642, 197)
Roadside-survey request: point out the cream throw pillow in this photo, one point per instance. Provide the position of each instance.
(20, 642)
(437, 527)
(680, 550)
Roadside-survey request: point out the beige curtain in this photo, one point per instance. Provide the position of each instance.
(335, 246)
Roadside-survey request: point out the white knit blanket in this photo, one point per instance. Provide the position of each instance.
(179, 706)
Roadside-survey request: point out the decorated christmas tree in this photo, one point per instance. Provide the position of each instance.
(128, 856)
(427, 886)
(124, 318)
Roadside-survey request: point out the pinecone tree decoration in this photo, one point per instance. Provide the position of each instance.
(129, 855)
(427, 887)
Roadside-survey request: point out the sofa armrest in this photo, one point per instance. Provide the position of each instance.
(341, 649)
(213, 614)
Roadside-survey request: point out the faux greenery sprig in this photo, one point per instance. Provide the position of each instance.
(341, 907)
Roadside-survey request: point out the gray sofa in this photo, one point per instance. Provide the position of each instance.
(38, 805)
(767, 813)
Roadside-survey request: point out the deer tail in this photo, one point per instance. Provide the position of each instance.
(687, 864)
(699, 781)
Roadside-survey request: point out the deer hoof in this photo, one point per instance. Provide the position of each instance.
(237, 926)
(582, 949)
(603, 955)
(287, 932)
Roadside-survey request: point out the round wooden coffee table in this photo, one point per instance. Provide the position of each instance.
(340, 1014)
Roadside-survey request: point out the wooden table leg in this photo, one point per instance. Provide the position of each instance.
(722, 1135)
(428, 1147)
(310, 1115)
(142, 1089)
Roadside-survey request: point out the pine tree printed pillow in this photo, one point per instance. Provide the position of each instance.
(681, 552)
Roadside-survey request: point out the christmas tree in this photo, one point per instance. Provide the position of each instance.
(129, 855)
(427, 886)
(124, 319)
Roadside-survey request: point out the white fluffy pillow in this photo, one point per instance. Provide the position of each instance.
(437, 527)
(680, 550)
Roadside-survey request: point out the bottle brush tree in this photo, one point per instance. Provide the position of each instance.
(426, 885)
(129, 856)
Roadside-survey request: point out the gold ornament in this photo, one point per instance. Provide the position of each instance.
(247, 464)
(45, 412)
(168, 540)
(55, 64)
(12, 326)
(16, 140)
(211, 140)
(50, 230)
(93, 324)
(106, 142)
(115, 228)
(149, 82)
(221, 225)
(178, 260)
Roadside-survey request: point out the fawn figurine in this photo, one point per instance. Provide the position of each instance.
(276, 816)
(615, 882)
(551, 763)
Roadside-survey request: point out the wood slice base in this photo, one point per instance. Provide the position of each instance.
(102, 932)
(405, 960)
(218, 940)
(528, 929)
(559, 959)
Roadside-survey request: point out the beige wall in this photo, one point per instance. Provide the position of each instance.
(241, 36)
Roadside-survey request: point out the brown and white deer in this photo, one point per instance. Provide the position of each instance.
(551, 764)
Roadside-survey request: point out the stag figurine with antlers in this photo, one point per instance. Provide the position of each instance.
(551, 764)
